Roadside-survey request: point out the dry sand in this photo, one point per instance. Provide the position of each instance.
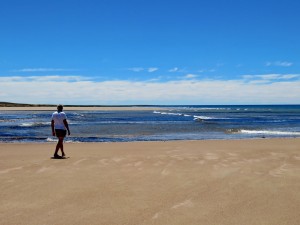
(232, 182)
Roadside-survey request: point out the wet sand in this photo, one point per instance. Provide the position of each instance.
(231, 182)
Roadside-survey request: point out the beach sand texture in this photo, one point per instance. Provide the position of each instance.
(231, 182)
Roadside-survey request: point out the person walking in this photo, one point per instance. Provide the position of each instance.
(59, 127)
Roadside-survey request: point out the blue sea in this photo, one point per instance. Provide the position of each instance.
(194, 122)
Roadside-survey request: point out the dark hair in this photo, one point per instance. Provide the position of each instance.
(60, 107)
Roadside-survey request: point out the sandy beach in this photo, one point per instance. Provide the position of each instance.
(232, 182)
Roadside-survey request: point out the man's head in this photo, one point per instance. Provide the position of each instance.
(60, 108)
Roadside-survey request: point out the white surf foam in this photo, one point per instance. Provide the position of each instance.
(270, 132)
(51, 139)
(168, 113)
(35, 124)
(202, 118)
(197, 118)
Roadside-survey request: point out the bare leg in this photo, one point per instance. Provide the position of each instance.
(62, 147)
(59, 146)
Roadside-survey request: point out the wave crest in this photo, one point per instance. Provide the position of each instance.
(264, 132)
(35, 124)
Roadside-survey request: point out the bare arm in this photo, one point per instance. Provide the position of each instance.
(52, 127)
(67, 126)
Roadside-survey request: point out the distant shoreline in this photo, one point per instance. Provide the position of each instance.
(8, 106)
(11, 104)
(80, 108)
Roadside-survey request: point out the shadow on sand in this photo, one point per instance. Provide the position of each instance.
(59, 157)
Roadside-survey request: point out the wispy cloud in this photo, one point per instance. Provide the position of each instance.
(206, 70)
(279, 63)
(79, 90)
(140, 69)
(136, 69)
(176, 69)
(152, 69)
(42, 70)
(270, 77)
(51, 78)
(190, 76)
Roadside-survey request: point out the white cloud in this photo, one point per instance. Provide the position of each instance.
(206, 70)
(42, 70)
(271, 77)
(51, 78)
(140, 69)
(175, 69)
(78, 90)
(152, 69)
(290, 76)
(136, 69)
(191, 76)
(263, 77)
(279, 63)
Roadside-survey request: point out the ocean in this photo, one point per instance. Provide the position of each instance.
(193, 122)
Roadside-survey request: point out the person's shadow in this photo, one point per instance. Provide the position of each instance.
(59, 157)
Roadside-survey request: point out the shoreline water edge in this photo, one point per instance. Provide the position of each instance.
(155, 123)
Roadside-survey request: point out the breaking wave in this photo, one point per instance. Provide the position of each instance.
(35, 124)
(264, 132)
(196, 118)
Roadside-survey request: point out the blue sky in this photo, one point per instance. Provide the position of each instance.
(150, 51)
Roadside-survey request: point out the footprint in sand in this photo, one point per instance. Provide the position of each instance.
(138, 163)
(280, 171)
(201, 162)
(158, 163)
(11, 169)
(79, 161)
(297, 157)
(165, 172)
(156, 215)
(178, 157)
(172, 151)
(211, 156)
(43, 169)
(104, 162)
(186, 203)
(117, 160)
(278, 155)
(232, 154)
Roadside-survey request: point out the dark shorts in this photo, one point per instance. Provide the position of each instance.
(60, 133)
